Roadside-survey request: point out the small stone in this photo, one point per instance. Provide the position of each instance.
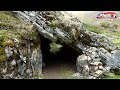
(88, 58)
(32, 14)
(93, 49)
(24, 59)
(98, 73)
(4, 70)
(96, 68)
(100, 67)
(91, 77)
(30, 74)
(8, 51)
(15, 50)
(28, 71)
(13, 63)
(96, 59)
(96, 63)
(90, 51)
(107, 68)
(93, 53)
(16, 40)
(21, 56)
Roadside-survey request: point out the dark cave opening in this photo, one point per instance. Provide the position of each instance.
(55, 55)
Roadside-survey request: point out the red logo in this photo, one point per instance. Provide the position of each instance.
(106, 15)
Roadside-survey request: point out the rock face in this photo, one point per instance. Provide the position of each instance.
(99, 53)
(20, 50)
(89, 64)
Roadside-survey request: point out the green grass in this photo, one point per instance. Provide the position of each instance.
(112, 77)
(7, 16)
(93, 29)
(113, 34)
(117, 41)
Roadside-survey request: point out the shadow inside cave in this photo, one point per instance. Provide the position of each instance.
(57, 58)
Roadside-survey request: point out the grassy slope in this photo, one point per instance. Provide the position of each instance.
(112, 77)
(115, 34)
(11, 27)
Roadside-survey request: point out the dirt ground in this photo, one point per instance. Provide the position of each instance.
(59, 70)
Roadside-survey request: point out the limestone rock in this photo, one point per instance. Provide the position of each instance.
(98, 73)
(13, 63)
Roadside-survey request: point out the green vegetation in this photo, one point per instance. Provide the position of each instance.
(21, 31)
(112, 77)
(8, 17)
(105, 25)
(2, 55)
(113, 34)
(117, 41)
(55, 47)
(93, 28)
(13, 28)
(53, 24)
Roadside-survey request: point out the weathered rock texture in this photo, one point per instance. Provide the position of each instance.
(20, 52)
(22, 49)
(99, 53)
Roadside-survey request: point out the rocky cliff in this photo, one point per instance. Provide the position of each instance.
(98, 54)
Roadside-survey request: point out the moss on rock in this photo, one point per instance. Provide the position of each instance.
(13, 28)
(3, 56)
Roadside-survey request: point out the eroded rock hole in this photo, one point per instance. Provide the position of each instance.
(58, 60)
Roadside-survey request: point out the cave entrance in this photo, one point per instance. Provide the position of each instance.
(59, 61)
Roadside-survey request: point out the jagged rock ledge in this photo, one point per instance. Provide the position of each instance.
(99, 53)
